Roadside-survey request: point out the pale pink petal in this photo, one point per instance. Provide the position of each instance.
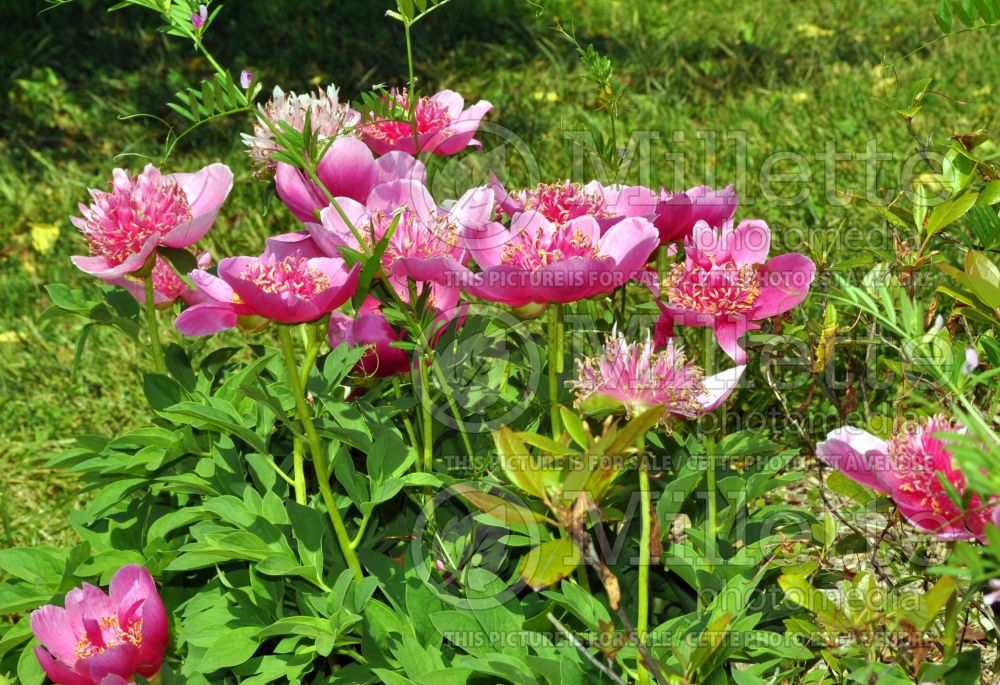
(719, 387)
(859, 455)
(333, 232)
(630, 243)
(206, 191)
(51, 626)
(751, 242)
(397, 166)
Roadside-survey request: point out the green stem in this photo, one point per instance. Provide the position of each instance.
(407, 424)
(319, 459)
(645, 542)
(711, 515)
(411, 94)
(427, 462)
(453, 405)
(153, 324)
(555, 355)
(299, 469)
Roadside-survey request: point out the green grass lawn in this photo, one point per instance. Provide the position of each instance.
(781, 77)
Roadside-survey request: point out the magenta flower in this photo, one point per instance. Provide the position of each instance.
(444, 125)
(286, 284)
(561, 202)
(104, 638)
(537, 260)
(349, 170)
(427, 242)
(126, 225)
(168, 287)
(908, 468)
(370, 329)
(638, 377)
(725, 284)
(677, 213)
(328, 118)
(199, 18)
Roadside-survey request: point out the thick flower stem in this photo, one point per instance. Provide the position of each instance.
(555, 362)
(711, 513)
(319, 459)
(949, 639)
(153, 324)
(427, 460)
(299, 469)
(645, 542)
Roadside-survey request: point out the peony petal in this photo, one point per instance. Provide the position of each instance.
(485, 243)
(446, 270)
(451, 101)
(474, 208)
(121, 660)
(388, 198)
(509, 205)
(630, 243)
(728, 334)
(719, 387)
(58, 672)
(299, 194)
(333, 232)
(750, 243)
(206, 191)
(348, 168)
(299, 245)
(133, 585)
(460, 133)
(206, 318)
(398, 166)
(51, 626)
(785, 282)
(105, 270)
(714, 207)
(857, 454)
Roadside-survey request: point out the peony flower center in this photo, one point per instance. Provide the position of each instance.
(103, 634)
(414, 236)
(548, 246)
(724, 290)
(118, 223)
(918, 457)
(430, 116)
(561, 202)
(640, 377)
(327, 118)
(291, 275)
(166, 282)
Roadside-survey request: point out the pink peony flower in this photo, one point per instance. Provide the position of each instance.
(725, 284)
(328, 118)
(168, 287)
(104, 638)
(560, 202)
(427, 242)
(370, 328)
(677, 213)
(126, 225)
(444, 125)
(349, 170)
(908, 468)
(287, 284)
(537, 260)
(638, 377)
